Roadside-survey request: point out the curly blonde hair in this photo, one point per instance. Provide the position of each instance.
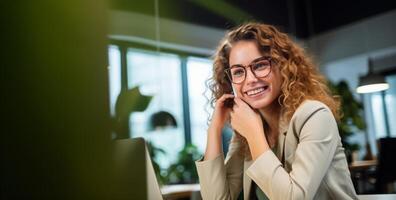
(301, 77)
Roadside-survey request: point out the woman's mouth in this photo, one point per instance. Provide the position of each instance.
(257, 91)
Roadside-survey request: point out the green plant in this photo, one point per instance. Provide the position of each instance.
(154, 152)
(352, 115)
(128, 101)
(183, 170)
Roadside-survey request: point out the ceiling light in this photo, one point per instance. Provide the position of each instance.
(371, 82)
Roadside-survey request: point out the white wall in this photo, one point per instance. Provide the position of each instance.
(177, 35)
(370, 35)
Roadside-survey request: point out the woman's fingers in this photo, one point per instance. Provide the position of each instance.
(226, 96)
(237, 102)
(223, 98)
(240, 103)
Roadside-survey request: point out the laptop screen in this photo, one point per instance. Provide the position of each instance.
(134, 176)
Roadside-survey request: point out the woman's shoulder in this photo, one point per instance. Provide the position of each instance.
(310, 106)
(309, 109)
(313, 114)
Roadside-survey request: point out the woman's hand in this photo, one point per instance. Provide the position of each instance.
(246, 121)
(221, 113)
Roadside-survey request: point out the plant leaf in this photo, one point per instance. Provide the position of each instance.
(131, 101)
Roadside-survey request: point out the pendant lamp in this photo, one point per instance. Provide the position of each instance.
(371, 82)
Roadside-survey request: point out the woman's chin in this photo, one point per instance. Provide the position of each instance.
(259, 104)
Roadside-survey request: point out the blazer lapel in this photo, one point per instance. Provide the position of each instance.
(283, 126)
(247, 181)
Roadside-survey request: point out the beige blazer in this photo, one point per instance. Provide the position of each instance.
(314, 164)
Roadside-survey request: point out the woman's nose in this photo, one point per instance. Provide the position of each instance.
(250, 77)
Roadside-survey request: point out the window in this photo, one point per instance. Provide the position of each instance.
(166, 77)
(382, 122)
(198, 71)
(390, 100)
(158, 75)
(114, 76)
(378, 115)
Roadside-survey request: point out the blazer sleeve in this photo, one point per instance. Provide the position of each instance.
(221, 179)
(318, 140)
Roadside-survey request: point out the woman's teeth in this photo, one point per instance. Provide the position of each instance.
(256, 91)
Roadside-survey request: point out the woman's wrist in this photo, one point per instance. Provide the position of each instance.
(215, 129)
(256, 134)
(214, 143)
(257, 144)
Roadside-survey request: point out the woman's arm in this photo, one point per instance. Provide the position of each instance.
(249, 124)
(220, 179)
(318, 140)
(214, 143)
(220, 116)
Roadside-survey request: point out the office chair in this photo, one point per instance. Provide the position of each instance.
(386, 169)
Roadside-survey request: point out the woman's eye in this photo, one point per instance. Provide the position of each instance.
(237, 72)
(260, 65)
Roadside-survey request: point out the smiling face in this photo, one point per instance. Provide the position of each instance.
(259, 93)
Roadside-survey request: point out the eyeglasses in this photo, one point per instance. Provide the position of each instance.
(261, 67)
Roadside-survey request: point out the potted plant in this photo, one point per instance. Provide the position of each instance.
(183, 171)
(128, 101)
(352, 116)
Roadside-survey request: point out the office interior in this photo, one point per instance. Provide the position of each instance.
(78, 75)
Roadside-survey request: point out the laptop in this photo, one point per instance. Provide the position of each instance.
(133, 172)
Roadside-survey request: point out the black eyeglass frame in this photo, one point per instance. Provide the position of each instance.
(268, 58)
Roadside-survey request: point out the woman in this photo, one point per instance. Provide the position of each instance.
(286, 143)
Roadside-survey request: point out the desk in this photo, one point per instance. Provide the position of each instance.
(362, 164)
(378, 197)
(182, 191)
(360, 173)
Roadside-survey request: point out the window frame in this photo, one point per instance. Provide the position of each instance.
(125, 45)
